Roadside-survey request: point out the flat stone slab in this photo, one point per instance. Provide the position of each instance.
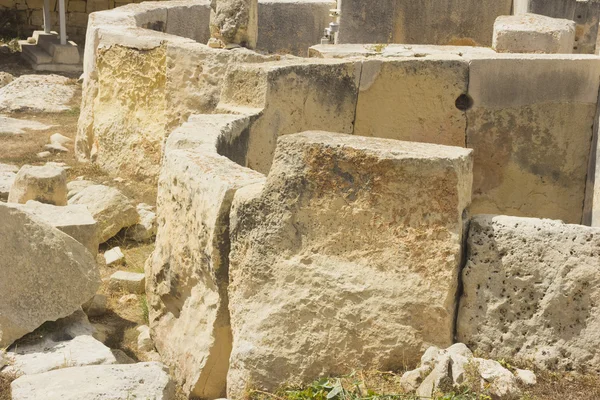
(37, 93)
(14, 126)
(99, 382)
(131, 282)
(8, 174)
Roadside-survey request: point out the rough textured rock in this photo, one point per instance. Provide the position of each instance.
(130, 282)
(48, 355)
(113, 256)
(74, 220)
(77, 186)
(455, 367)
(144, 341)
(530, 290)
(187, 273)
(147, 226)
(531, 33)
(99, 382)
(8, 173)
(339, 235)
(46, 184)
(234, 22)
(37, 93)
(13, 126)
(531, 127)
(5, 79)
(32, 295)
(111, 209)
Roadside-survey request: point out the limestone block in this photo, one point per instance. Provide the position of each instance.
(235, 22)
(113, 256)
(339, 235)
(144, 341)
(187, 274)
(77, 19)
(48, 355)
(190, 21)
(74, 220)
(531, 33)
(77, 186)
(32, 295)
(531, 127)
(530, 287)
(77, 6)
(291, 93)
(100, 382)
(146, 228)
(96, 5)
(111, 209)
(291, 27)
(587, 17)
(65, 53)
(448, 22)
(45, 184)
(131, 282)
(5, 78)
(37, 93)
(413, 99)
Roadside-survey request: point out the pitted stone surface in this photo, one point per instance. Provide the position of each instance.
(234, 22)
(344, 230)
(37, 93)
(531, 288)
(46, 184)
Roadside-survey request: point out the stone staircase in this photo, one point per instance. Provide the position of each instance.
(45, 53)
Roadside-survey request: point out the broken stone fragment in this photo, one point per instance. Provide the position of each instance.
(130, 282)
(32, 295)
(5, 78)
(234, 23)
(61, 140)
(55, 148)
(77, 186)
(102, 382)
(113, 256)
(526, 377)
(8, 174)
(46, 184)
(144, 340)
(145, 229)
(111, 209)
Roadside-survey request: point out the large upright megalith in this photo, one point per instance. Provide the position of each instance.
(348, 256)
(234, 23)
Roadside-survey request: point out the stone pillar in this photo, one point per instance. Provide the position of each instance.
(234, 23)
(63, 22)
(47, 21)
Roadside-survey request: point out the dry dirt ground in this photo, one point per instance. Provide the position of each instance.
(123, 316)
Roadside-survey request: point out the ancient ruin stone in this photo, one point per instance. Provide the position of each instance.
(111, 209)
(345, 229)
(130, 282)
(8, 173)
(234, 22)
(531, 33)
(14, 126)
(187, 273)
(46, 184)
(530, 290)
(32, 295)
(37, 93)
(99, 382)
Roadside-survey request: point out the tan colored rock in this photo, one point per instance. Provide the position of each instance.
(234, 22)
(5, 79)
(8, 173)
(46, 184)
(111, 209)
(32, 295)
(130, 282)
(99, 382)
(74, 220)
(413, 99)
(187, 273)
(340, 234)
(532, 33)
(530, 287)
(531, 128)
(37, 93)
(14, 126)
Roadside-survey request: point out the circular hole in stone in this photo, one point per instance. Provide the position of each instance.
(464, 102)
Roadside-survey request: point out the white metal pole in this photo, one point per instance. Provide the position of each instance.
(63, 21)
(47, 22)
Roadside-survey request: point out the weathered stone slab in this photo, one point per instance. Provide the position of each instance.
(8, 172)
(74, 220)
(46, 184)
(532, 33)
(531, 129)
(187, 274)
(451, 22)
(99, 382)
(13, 126)
(130, 282)
(234, 23)
(37, 93)
(345, 229)
(413, 99)
(530, 290)
(32, 295)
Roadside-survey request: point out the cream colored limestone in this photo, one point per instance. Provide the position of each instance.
(530, 292)
(32, 295)
(345, 230)
(187, 274)
(234, 23)
(46, 184)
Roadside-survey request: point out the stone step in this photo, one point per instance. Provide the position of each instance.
(46, 40)
(35, 54)
(223, 108)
